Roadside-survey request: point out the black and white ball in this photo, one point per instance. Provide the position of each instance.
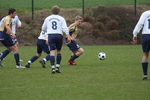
(102, 55)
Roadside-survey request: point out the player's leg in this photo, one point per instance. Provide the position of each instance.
(59, 56)
(17, 44)
(8, 42)
(52, 60)
(146, 48)
(145, 65)
(77, 51)
(4, 54)
(16, 56)
(58, 61)
(52, 47)
(46, 50)
(34, 58)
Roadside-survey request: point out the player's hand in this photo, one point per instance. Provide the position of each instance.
(135, 40)
(46, 42)
(13, 36)
(69, 38)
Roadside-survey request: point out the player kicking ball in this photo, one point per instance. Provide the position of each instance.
(73, 46)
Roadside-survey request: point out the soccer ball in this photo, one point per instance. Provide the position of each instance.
(101, 55)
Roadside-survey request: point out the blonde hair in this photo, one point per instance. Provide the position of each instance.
(78, 18)
(55, 9)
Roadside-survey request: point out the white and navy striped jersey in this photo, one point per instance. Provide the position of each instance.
(15, 21)
(55, 24)
(43, 36)
(143, 24)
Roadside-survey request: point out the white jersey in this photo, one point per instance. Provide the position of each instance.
(15, 22)
(55, 24)
(143, 23)
(43, 36)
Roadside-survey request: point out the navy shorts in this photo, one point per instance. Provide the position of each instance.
(146, 42)
(6, 39)
(55, 41)
(42, 46)
(73, 46)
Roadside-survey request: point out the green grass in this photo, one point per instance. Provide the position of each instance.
(42, 4)
(119, 77)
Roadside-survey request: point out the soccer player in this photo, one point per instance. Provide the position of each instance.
(144, 25)
(42, 45)
(73, 46)
(7, 36)
(16, 23)
(55, 25)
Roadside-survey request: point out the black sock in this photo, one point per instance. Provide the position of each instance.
(73, 57)
(145, 67)
(4, 54)
(34, 58)
(58, 58)
(52, 60)
(16, 55)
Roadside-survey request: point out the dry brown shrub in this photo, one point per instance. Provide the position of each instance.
(100, 26)
(113, 35)
(112, 25)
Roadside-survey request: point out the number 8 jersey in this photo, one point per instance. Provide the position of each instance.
(55, 24)
(144, 22)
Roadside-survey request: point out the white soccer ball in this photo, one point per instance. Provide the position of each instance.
(102, 55)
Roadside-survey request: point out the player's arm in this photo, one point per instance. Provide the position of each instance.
(44, 26)
(66, 30)
(8, 26)
(19, 23)
(138, 27)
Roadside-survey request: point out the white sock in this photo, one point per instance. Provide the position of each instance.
(57, 65)
(44, 59)
(53, 66)
(29, 62)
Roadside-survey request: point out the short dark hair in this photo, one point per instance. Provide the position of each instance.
(55, 10)
(11, 11)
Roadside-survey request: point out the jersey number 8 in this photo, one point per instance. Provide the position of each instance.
(54, 25)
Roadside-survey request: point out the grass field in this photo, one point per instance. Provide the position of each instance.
(119, 77)
(42, 4)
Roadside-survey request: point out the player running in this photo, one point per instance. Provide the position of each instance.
(16, 23)
(73, 46)
(42, 46)
(144, 25)
(7, 36)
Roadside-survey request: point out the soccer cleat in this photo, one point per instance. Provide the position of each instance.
(58, 70)
(53, 71)
(145, 78)
(72, 62)
(27, 65)
(42, 63)
(19, 66)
